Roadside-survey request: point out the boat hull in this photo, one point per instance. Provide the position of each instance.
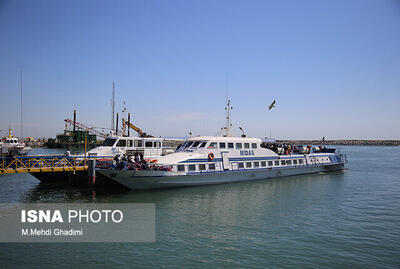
(140, 180)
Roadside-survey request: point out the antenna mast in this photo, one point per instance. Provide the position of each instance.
(22, 122)
(228, 127)
(123, 114)
(112, 106)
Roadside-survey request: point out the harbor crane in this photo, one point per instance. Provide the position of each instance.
(137, 129)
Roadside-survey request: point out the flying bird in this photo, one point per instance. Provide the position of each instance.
(272, 105)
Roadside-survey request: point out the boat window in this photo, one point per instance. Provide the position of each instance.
(238, 145)
(241, 165)
(138, 143)
(301, 161)
(202, 167)
(158, 144)
(211, 166)
(130, 143)
(121, 143)
(188, 145)
(289, 162)
(179, 148)
(270, 163)
(248, 165)
(192, 167)
(256, 164)
(276, 163)
(263, 164)
(253, 145)
(283, 162)
(294, 162)
(181, 167)
(196, 144)
(246, 145)
(230, 145)
(203, 145)
(213, 145)
(182, 147)
(222, 145)
(148, 144)
(109, 142)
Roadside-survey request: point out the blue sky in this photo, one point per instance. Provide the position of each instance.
(332, 66)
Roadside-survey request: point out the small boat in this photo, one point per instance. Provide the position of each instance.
(12, 145)
(207, 160)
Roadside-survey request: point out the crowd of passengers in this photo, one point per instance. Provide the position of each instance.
(132, 162)
(287, 149)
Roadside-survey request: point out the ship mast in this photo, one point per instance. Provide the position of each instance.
(112, 107)
(22, 118)
(123, 114)
(228, 127)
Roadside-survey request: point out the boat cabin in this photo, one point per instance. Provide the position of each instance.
(11, 140)
(210, 154)
(144, 146)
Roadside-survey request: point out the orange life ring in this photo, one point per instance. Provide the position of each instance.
(211, 156)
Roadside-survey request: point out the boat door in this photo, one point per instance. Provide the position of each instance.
(225, 160)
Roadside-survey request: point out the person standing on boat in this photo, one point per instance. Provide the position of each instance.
(137, 157)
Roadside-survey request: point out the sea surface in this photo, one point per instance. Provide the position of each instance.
(347, 219)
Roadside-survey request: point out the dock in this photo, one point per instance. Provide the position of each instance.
(71, 170)
(42, 164)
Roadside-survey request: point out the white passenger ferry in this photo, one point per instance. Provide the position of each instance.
(221, 159)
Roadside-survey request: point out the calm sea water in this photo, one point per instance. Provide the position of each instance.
(348, 219)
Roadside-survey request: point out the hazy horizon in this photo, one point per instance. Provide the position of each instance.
(332, 67)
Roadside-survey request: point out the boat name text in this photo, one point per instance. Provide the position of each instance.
(246, 152)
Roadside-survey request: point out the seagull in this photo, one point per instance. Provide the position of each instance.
(272, 105)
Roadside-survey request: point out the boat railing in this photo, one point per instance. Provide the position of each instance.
(344, 157)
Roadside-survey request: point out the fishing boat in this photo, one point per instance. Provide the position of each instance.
(207, 160)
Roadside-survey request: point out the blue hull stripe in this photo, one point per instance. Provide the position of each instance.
(264, 168)
(240, 159)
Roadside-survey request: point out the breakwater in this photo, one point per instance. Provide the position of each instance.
(351, 142)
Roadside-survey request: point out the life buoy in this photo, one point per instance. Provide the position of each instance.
(211, 156)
